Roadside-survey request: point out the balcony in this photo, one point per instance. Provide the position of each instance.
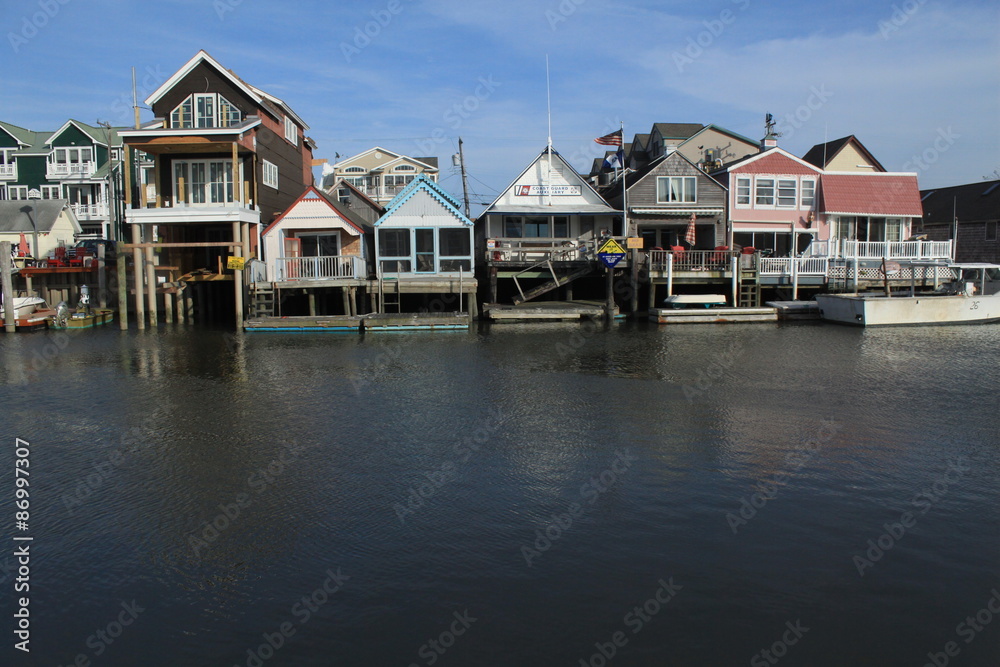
(319, 268)
(55, 170)
(86, 212)
(537, 250)
(692, 260)
(8, 171)
(189, 214)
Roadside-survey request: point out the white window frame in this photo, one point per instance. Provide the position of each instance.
(48, 190)
(17, 192)
(808, 201)
(270, 174)
(185, 115)
(688, 187)
(404, 167)
(291, 131)
(759, 191)
(896, 225)
(206, 185)
(354, 170)
(786, 193)
(743, 200)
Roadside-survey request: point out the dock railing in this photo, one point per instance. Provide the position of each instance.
(538, 250)
(788, 266)
(320, 268)
(692, 260)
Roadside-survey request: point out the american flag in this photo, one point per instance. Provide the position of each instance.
(613, 139)
(689, 235)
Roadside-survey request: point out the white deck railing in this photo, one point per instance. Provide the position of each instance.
(8, 170)
(787, 266)
(536, 250)
(848, 249)
(319, 268)
(62, 169)
(692, 260)
(88, 211)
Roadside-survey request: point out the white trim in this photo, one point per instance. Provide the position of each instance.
(293, 129)
(677, 211)
(75, 124)
(182, 131)
(287, 109)
(187, 67)
(734, 168)
(269, 174)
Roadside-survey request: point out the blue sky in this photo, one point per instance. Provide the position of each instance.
(911, 79)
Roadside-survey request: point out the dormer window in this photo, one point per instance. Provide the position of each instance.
(204, 110)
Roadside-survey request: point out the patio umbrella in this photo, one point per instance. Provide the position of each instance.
(689, 235)
(23, 250)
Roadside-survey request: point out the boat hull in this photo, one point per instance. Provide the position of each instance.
(880, 311)
(97, 318)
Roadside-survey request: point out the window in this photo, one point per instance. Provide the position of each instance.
(844, 228)
(404, 167)
(536, 228)
(66, 161)
(787, 192)
(991, 231)
(893, 229)
(560, 227)
(512, 227)
(205, 110)
(291, 132)
(455, 243)
(808, 193)
(203, 182)
(676, 189)
(50, 192)
(17, 192)
(394, 243)
(765, 192)
(396, 182)
(358, 182)
(354, 170)
(742, 191)
(270, 174)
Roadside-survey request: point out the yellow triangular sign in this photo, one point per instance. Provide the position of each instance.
(612, 247)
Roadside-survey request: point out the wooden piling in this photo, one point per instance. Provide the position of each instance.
(140, 307)
(102, 279)
(151, 286)
(122, 287)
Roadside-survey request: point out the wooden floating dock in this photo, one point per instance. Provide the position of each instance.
(712, 315)
(359, 323)
(544, 310)
(795, 310)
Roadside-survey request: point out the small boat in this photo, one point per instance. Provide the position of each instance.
(24, 306)
(82, 320)
(695, 300)
(973, 298)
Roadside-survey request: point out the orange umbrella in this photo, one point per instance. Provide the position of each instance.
(23, 249)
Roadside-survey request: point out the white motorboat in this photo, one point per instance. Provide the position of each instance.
(974, 298)
(24, 306)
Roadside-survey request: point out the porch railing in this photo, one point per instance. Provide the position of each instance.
(8, 170)
(692, 260)
(319, 268)
(70, 169)
(849, 249)
(786, 266)
(88, 211)
(538, 250)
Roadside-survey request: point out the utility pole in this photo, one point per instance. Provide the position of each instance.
(465, 181)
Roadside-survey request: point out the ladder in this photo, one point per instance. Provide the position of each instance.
(262, 301)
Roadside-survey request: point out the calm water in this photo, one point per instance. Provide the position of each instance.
(416, 475)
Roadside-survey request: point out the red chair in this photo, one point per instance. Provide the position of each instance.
(719, 256)
(749, 250)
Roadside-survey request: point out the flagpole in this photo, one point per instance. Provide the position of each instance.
(548, 101)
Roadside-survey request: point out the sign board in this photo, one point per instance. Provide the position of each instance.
(554, 190)
(235, 263)
(610, 253)
(634, 243)
(491, 244)
(891, 268)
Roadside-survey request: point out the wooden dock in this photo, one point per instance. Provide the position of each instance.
(795, 310)
(544, 310)
(358, 323)
(712, 315)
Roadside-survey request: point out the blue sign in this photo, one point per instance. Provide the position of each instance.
(610, 259)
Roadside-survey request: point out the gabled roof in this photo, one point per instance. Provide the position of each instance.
(424, 183)
(639, 142)
(802, 167)
(585, 185)
(95, 133)
(254, 93)
(430, 163)
(342, 183)
(17, 216)
(677, 130)
(613, 189)
(822, 154)
(879, 193)
(723, 130)
(349, 216)
(972, 202)
(19, 134)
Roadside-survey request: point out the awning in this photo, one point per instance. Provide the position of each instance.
(579, 209)
(677, 211)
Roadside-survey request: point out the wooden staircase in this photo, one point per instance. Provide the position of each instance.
(556, 282)
(262, 300)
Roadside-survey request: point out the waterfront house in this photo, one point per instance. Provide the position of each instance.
(350, 196)
(424, 247)
(317, 239)
(382, 174)
(969, 214)
(52, 221)
(543, 226)
(844, 154)
(227, 158)
(78, 162)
